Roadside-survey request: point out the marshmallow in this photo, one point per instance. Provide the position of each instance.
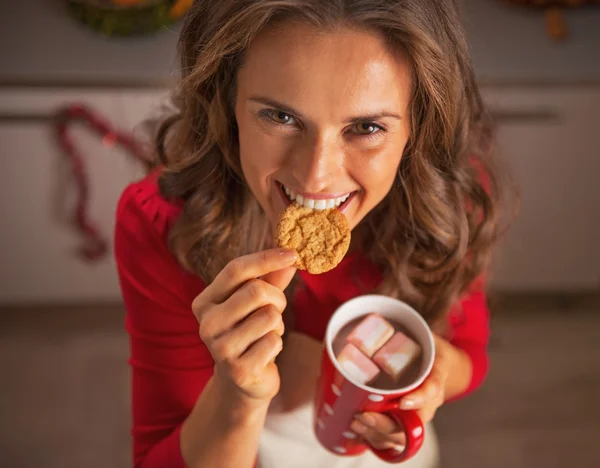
(371, 334)
(358, 367)
(397, 354)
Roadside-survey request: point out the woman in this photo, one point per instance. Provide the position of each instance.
(370, 99)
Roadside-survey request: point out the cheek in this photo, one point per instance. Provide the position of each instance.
(258, 156)
(378, 175)
(262, 156)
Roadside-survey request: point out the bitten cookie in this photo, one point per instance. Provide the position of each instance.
(320, 237)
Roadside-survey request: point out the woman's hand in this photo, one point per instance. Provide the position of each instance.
(240, 318)
(382, 432)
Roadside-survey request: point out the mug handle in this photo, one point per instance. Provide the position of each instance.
(413, 430)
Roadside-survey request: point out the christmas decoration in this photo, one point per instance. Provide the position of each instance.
(128, 17)
(96, 245)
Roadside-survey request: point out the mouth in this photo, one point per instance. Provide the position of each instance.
(339, 201)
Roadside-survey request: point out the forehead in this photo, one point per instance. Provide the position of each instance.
(338, 71)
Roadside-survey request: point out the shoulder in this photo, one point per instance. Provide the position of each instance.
(141, 244)
(142, 206)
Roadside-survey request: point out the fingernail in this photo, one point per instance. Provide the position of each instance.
(288, 254)
(399, 448)
(358, 427)
(407, 404)
(367, 420)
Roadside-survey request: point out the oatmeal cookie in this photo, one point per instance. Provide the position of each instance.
(320, 237)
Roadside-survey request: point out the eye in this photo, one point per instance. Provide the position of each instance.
(279, 117)
(366, 128)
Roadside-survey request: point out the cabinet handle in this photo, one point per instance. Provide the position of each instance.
(24, 117)
(499, 116)
(527, 116)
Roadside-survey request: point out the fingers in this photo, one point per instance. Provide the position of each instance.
(240, 321)
(429, 396)
(280, 278)
(263, 352)
(379, 431)
(427, 413)
(249, 370)
(418, 398)
(426, 400)
(245, 268)
(253, 295)
(430, 390)
(251, 329)
(380, 422)
(250, 297)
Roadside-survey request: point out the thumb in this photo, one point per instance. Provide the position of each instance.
(280, 278)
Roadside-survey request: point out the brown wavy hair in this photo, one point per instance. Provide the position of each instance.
(431, 236)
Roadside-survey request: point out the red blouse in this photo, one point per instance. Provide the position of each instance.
(171, 365)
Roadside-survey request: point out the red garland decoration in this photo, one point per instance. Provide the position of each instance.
(96, 245)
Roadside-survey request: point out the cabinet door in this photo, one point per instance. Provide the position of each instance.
(551, 138)
(136, 106)
(38, 252)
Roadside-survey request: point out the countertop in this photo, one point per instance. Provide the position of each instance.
(42, 44)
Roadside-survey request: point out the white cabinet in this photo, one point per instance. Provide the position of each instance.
(551, 138)
(38, 253)
(137, 105)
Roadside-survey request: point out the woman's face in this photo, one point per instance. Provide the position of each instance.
(322, 117)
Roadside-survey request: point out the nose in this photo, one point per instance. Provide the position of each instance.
(317, 162)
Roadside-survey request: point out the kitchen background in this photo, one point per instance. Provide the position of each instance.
(64, 386)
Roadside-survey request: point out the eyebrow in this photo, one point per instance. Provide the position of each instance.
(288, 110)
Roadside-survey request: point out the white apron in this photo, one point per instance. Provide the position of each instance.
(288, 440)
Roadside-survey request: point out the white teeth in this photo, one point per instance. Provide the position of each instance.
(314, 204)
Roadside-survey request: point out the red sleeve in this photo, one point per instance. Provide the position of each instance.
(170, 364)
(470, 331)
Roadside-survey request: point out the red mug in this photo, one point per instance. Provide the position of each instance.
(338, 399)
